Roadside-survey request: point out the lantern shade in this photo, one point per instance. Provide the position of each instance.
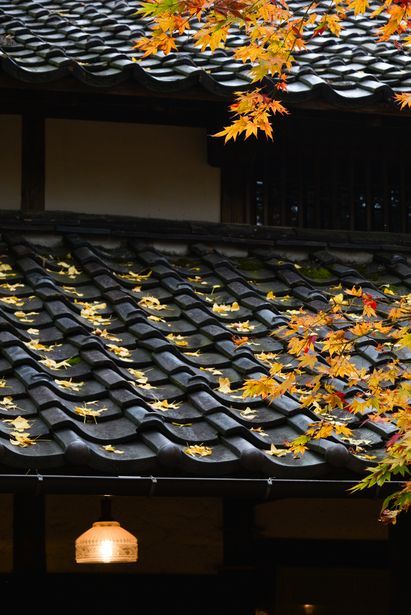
(104, 543)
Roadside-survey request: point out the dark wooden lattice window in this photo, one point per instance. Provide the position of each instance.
(370, 195)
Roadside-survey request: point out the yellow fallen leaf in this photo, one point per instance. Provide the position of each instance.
(111, 449)
(3, 383)
(198, 450)
(69, 384)
(73, 291)
(156, 318)
(35, 344)
(5, 267)
(224, 385)
(152, 303)
(55, 365)
(270, 295)
(24, 316)
(248, 413)
(181, 424)
(106, 335)
(225, 308)
(12, 300)
(121, 352)
(194, 353)
(33, 331)
(212, 370)
(266, 357)
(11, 287)
(165, 405)
(388, 291)
(8, 403)
(86, 412)
(242, 327)
(21, 439)
(178, 340)
(277, 452)
(135, 277)
(19, 424)
(138, 375)
(260, 431)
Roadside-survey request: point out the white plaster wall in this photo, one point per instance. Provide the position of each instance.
(130, 169)
(10, 161)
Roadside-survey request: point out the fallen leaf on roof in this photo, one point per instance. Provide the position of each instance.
(3, 383)
(156, 318)
(66, 269)
(86, 412)
(33, 331)
(165, 405)
(242, 327)
(212, 370)
(152, 303)
(138, 375)
(8, 403)
(194, 353)
(35, 344)
(277, 452)
(5, 267)
(260, 431)
(73, 291)
(106, 335)
(135, 277)
(197, 280)
(120, 351)
(224, 385)
(240, 341)
(136, 289)
(55, 365)
(11, 287)
(13, 300)
(111, 449)
(24, 316)
(198, 450)
(69, 384)
(266, 357)
(181, 424)
(18, 424)
(178, 340)
(21, 439)
(225, 307)
(270, 295)
(248, 413)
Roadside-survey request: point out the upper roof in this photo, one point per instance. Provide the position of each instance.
(41, 42)
(111, 349)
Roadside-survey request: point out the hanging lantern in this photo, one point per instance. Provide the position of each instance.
(106, 542)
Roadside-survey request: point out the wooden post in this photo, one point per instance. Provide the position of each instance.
(33, 163)
(399, 564)
(29, 543)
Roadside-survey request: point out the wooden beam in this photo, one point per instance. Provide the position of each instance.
(29, 544)
(33, 163)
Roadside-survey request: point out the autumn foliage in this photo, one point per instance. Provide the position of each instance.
(332, 387)
(273, 31)
(323, 343)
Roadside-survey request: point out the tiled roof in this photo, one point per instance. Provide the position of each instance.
(44, 41)
(71, 312)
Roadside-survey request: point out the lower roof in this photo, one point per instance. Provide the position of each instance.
(113, 357)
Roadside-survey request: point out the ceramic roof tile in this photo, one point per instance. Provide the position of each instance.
(93, 368)
(43, 43)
